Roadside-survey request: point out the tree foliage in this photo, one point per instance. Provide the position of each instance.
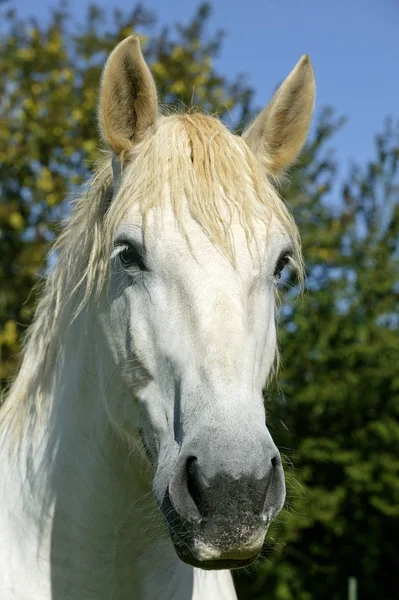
(335, 410)
(335, 413)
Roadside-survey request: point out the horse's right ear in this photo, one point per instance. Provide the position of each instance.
(128, 98)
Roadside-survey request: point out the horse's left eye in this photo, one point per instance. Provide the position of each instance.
(131, 257)
(281, 263)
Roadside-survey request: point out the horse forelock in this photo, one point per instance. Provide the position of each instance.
(207, 169)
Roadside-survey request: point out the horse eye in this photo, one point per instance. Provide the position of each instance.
(281, 263)
(131, 257)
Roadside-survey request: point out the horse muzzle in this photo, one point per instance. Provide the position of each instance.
(218, 510)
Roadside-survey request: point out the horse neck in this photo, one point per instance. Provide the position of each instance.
(76, 497)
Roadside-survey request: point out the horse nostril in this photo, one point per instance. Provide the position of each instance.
(275, 462)
(193, 486)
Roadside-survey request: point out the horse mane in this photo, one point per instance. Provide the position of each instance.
(202, 164)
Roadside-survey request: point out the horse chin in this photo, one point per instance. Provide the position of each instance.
(215, 543)
(214, 561)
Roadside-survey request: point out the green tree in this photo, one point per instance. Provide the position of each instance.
(49, 141)
(336, 410)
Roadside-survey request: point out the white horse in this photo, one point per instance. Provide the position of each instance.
(135, 462)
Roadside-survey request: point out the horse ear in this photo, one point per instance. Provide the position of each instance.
(128, 98)
(280, 130)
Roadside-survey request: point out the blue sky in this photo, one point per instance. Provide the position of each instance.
(353, 44)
